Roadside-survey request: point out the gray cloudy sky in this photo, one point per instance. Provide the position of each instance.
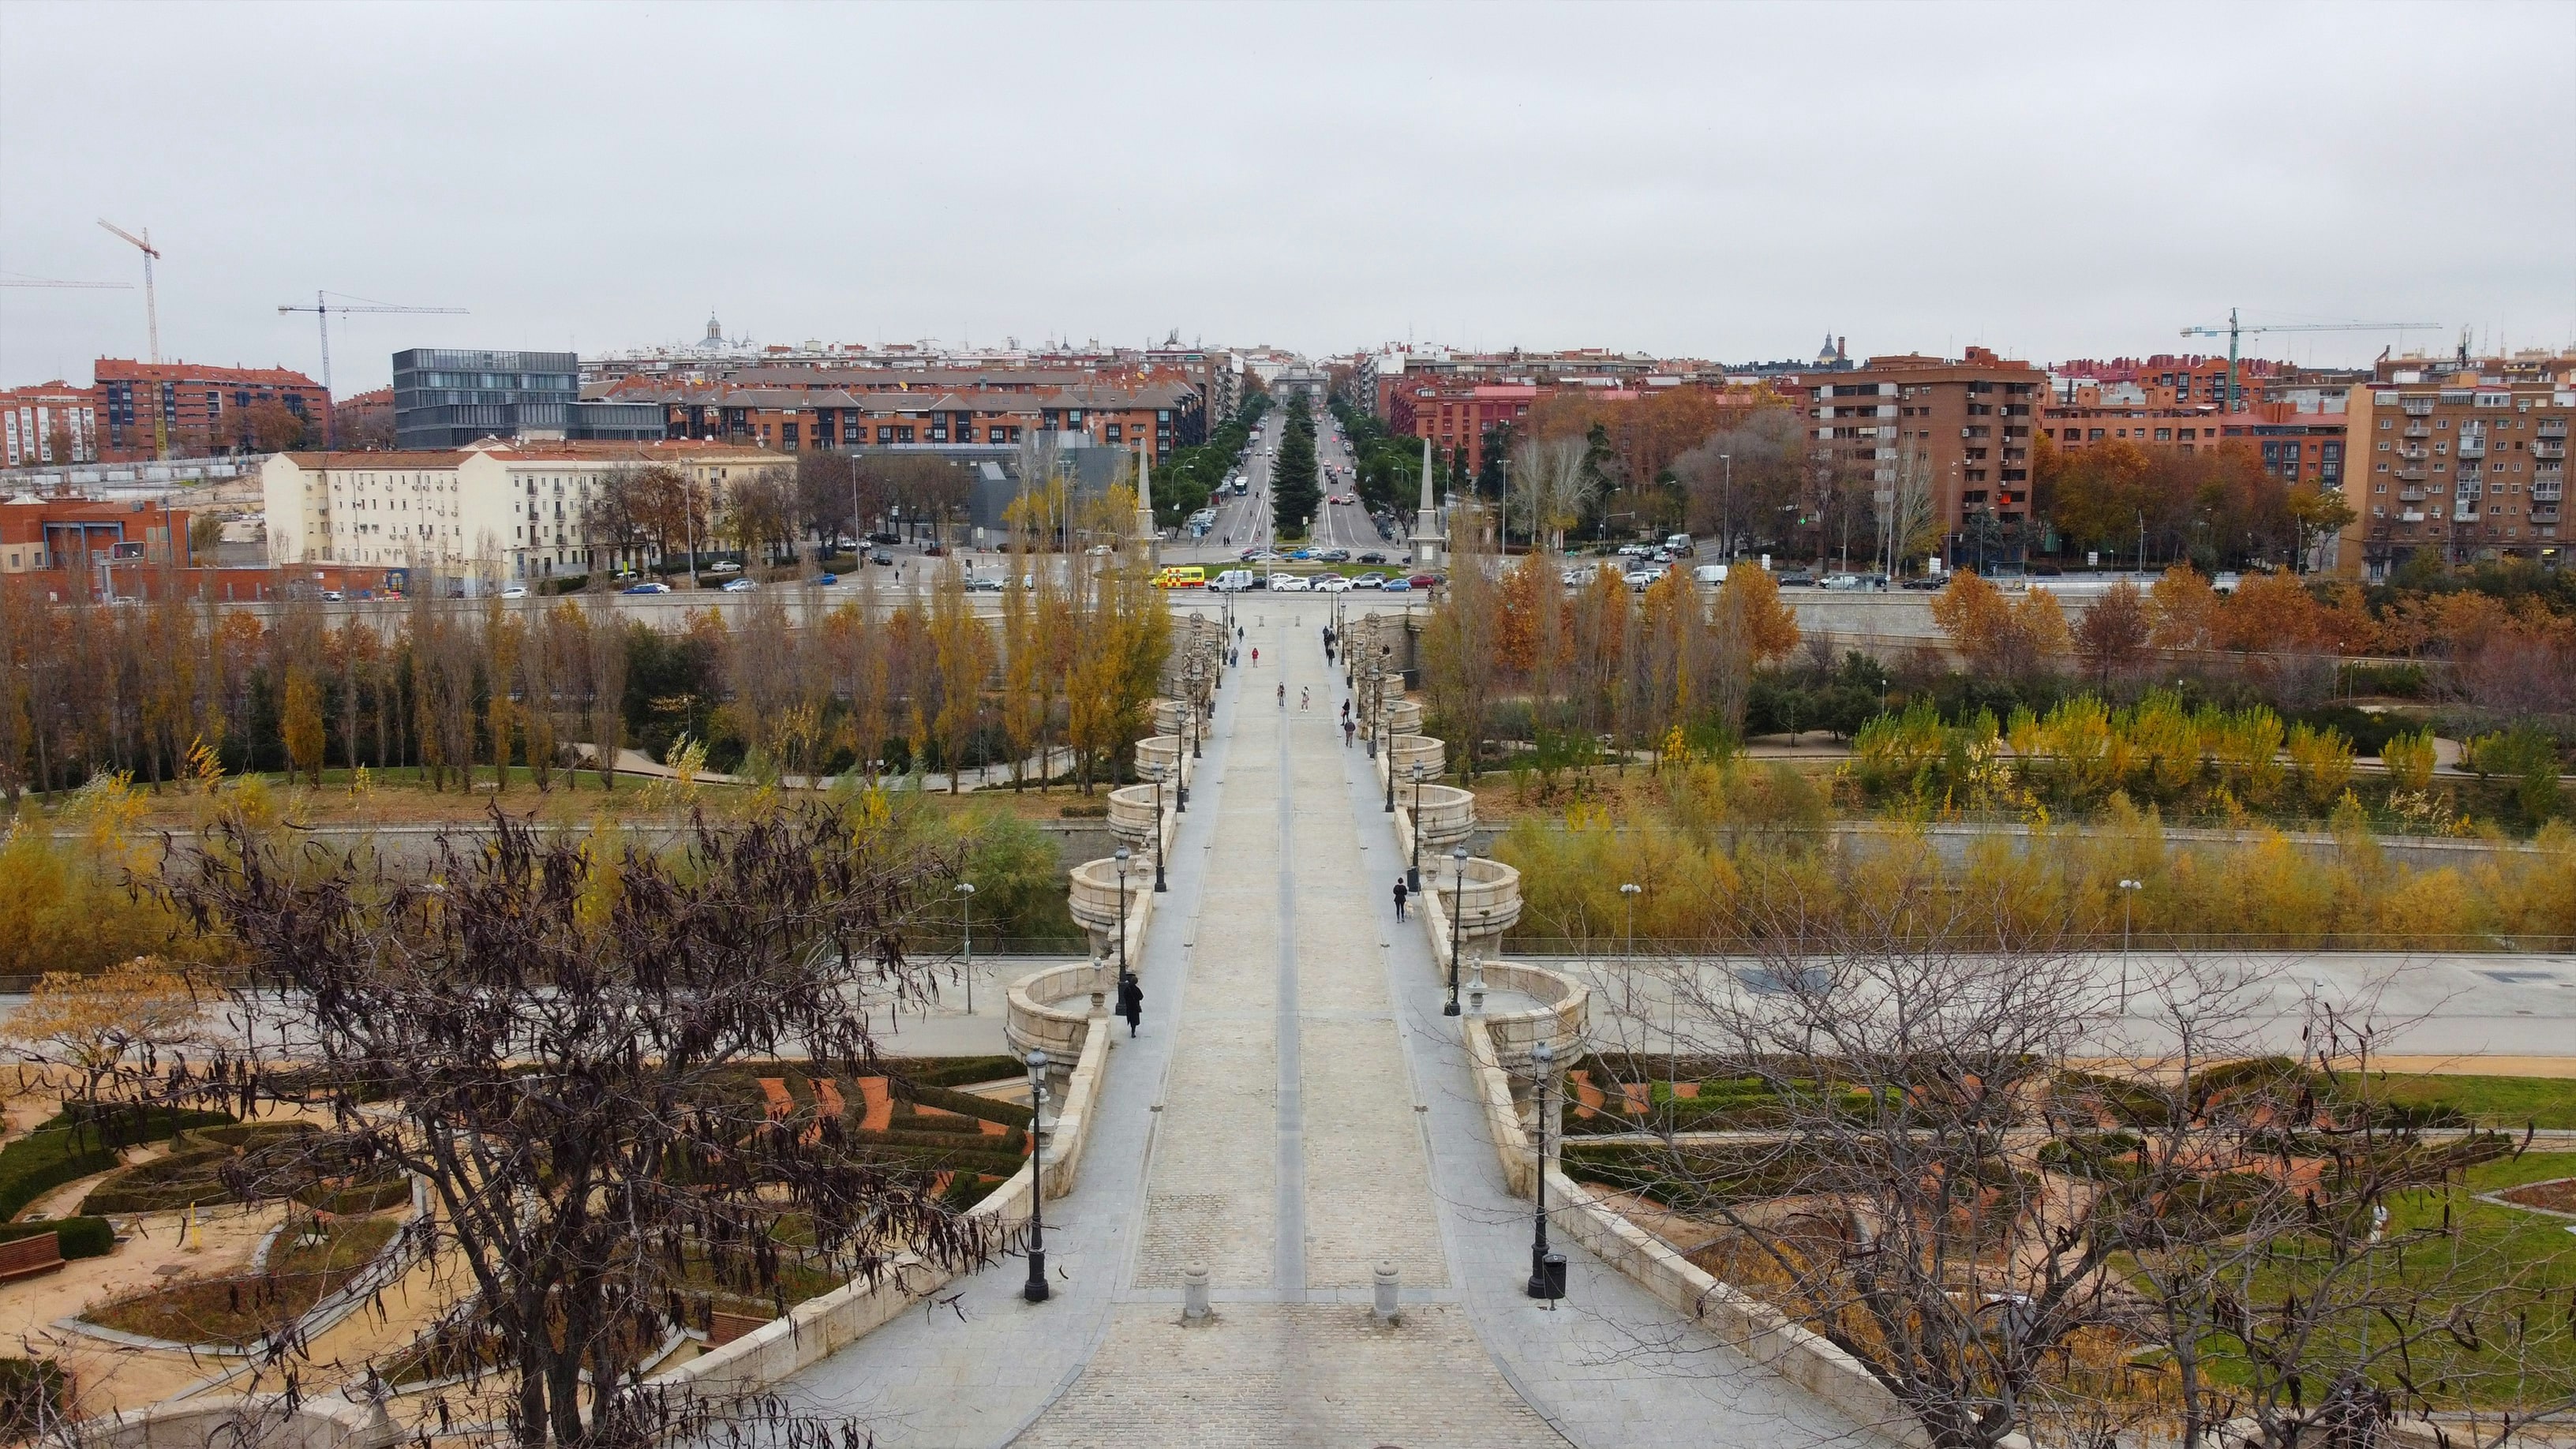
(1727, 181)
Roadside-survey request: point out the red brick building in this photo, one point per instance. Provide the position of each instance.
(1969, 421)
(48, 423)
(1457, 415)
(878, 410)
(186, 410)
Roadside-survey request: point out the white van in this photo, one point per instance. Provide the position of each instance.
(1680, 545)
(1232, 581)
(1709, 574)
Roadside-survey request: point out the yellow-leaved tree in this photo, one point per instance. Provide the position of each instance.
(97, 1027)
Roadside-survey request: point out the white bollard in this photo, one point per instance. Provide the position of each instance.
(1385, 1284)
(1194, 1292)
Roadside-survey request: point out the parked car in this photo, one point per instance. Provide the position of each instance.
(741, 586)
(932, 550)
(1797, 579)
(1335, 555)
(1372, 556)
(885, 538)
(985, 585)
(1643, 579)
(1926, 581)
(1396, 586)
(1845, 583)
(1369, 581)
(1709, 574)
(1332, 584)
(1291, 584)
(329, 596)
(1426, 581)
(1301, 555)
(649, 586)
(722, 566)
(827, 579)
(515, 591)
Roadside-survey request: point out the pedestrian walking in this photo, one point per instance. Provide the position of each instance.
(1400, 894)
(1131, 1003)
(1283, 694)
(1305, 698)
(1347, 731)
(1256, 656)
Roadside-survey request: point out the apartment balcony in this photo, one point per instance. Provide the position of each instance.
(2473, 447)
(2410, 495)
(2553, 428)
(2416, 451)
(2465, 511)
(2548, 492)
(2410, 516)
(2411, 474)
(2417, 407)
(2417, 430)
(2549, 450)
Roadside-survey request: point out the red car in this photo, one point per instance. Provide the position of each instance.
(1426, 581)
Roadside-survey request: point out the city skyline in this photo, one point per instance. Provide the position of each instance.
(1723, 183)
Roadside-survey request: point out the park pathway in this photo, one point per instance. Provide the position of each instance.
(1295, 1111)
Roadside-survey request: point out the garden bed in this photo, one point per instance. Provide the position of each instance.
(237, 1310)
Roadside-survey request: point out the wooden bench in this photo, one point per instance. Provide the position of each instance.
(30, 1257)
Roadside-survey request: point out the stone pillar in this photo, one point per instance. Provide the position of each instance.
(1427, 542)
(1147, 535)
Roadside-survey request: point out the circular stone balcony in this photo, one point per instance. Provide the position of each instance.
(1447, 814)
(1092, 894)
(1403, 717)
(1407, 751)
(1168, 714)
(1161, 752)
(1492, 898)
(1131, 815)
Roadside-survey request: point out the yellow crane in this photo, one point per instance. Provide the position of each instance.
(322, 310)
(2235, 329)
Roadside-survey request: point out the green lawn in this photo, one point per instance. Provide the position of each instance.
(2488, 1101)
(2513, 1271)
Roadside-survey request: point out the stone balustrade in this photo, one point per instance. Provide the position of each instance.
(1403, 752)
(1489, 901)
(1035, 1021)
(1403, 717)
(1163, 752)
(1446, 815)
(1132, 815)
(1092, 895)
(1168, 715)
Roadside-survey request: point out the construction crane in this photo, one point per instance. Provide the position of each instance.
(2234, 329)
(322, 310)
(49, 282)
(151, 304)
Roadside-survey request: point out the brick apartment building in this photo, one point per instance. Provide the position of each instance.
(810, 410)
(2297, 445)
(2462, 459)
(1455, 416)
(152, 410)
(1970, 421)
(2188, 378)
(46, 423)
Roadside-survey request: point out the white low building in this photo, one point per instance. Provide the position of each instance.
(509, 511)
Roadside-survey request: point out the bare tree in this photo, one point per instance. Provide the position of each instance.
(1551, 486)
(553, 1068)
(1738, 478)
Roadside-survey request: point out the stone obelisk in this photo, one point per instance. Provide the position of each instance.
(1148, 537)
(1427, 542)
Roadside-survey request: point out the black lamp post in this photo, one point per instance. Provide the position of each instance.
(1457, 909)
(1035, 1291)
(1413, 870)
(1158, 855)
(1386, 723)
(1196, 733)
(966, 898)
(1547, 1270)
(1121, 858)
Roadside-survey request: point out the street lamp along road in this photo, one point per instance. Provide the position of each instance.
(966, 897)
(1457, 909)
(1547, 1269)
(1413, 871)
(1035, 1291)
(2128, 893)
(1156, 772)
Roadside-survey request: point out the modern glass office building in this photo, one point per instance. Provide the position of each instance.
(447, 398)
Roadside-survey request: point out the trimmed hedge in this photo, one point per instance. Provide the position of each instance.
(164, 1184)
(964, 1104)
(79, 1237)
(43, 1160)
(954, 1071)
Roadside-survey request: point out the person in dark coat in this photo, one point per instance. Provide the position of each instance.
(1400, 894)
(1131, 1003)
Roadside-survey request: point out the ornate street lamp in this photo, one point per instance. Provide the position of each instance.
(1121, 857)
(1457, 910)
(1547, 1270)
(1413, 870)
(1035, 1291)
(1157, 773)
(966, 899)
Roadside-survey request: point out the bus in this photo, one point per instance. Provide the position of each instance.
(1181, 576)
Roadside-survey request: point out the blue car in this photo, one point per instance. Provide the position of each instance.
(1396, 586)
(646, 588)
(827, 578)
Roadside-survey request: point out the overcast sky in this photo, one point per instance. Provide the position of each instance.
(1729, 182)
